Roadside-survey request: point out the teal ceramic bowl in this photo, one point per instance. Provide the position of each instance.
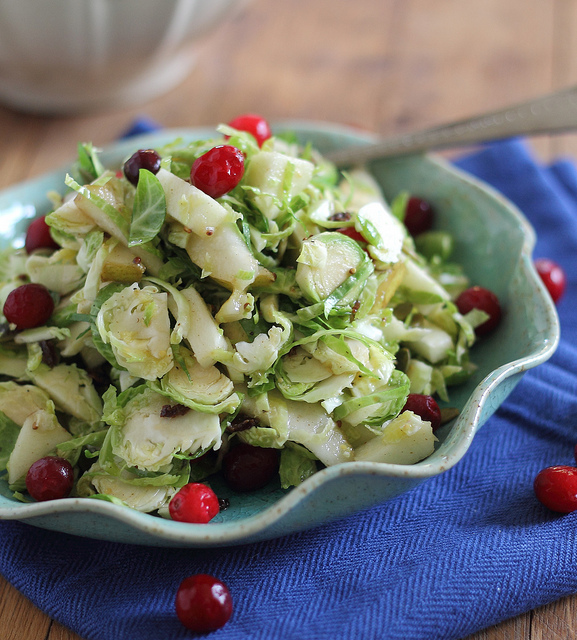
(493, 242)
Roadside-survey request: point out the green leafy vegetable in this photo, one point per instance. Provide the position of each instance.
(87, 166)
(118, 220)
(149, 209)
(9, 431)
(293, 312)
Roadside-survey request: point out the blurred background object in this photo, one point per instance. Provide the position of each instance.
(65, 56)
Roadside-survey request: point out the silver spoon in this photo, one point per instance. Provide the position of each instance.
(552, 113)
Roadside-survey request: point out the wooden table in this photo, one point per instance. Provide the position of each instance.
(383, 65)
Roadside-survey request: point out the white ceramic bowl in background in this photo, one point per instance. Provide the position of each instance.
(64, 56)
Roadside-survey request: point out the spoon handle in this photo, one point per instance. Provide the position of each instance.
(552, 113)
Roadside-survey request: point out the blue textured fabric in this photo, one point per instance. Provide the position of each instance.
(140, 126)
(460, 552)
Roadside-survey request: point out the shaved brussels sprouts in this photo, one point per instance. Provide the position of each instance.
(147, 432)
(293, 311)
(135, 323)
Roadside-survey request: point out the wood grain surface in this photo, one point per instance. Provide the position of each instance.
(384, 65)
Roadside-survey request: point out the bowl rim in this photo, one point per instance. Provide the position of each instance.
(252, 526)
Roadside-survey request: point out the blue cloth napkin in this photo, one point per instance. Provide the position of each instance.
(461, 552)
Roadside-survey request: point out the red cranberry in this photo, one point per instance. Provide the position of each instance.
(141, 159)
(424, 406)
(218, 171)
(556, 488)
(38, 236)
(352, 233)
(248, 468)
(553, 277)
(484, 300)
(253, 124)
(195, 502)
(203, 603)
(50, 478)
(419, 215)
(29, 305)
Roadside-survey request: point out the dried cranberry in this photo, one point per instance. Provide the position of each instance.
(253, 124)
(242, 422)
(340, 216)
(426, 407)
(173, 410)
(484, 300)
(248, 468)
(218, 171)
(50, 478)
(556, 488)
(38, 236)
(50, 353)
(29, 305)
(142, 159)
(419, 216)
(195, 502)
(553, 277)
(203, 603)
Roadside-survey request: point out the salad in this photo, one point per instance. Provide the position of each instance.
(217, 296)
